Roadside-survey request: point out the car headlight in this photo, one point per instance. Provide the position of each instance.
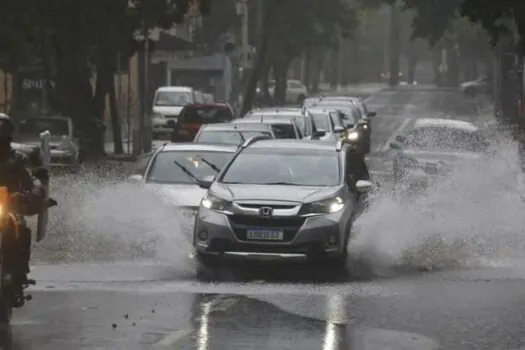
(353, 136)
(215, 203)
(326, 206)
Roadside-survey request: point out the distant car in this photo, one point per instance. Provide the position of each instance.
(174, 170)
(432, 149)
(330, 121)
(282, 128)
(64, 147)
(475, 87)
(296, 91)
(359, 128)
(231, 134)
(193, 116)
(282, 200)
(301, 116)
(168, 102)
(355, 100)
(209, 98)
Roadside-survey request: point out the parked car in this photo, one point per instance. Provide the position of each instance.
(65, 149)
(193, 116)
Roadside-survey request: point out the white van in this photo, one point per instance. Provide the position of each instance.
(167, 105)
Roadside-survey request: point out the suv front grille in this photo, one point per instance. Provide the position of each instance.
(289, 225)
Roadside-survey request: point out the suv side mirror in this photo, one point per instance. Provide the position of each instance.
(364, 186)
(338, 129)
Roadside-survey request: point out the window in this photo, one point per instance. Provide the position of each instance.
(258, 166)
(228, 137)
(164, 168)
(173, 98)
(337, 119)
(199, 97)
(443, 138)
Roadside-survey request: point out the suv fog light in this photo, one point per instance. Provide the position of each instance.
(203, 235)
(332, 239)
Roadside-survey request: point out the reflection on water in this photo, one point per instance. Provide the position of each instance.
(240, 322)
(203, 338)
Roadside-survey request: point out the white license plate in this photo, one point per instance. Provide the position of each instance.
(264, 235)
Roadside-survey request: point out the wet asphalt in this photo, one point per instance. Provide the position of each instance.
(148, 305)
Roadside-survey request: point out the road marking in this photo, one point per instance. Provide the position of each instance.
(398, 131)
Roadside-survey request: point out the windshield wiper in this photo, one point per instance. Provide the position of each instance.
(243, 139)
(210, 164)
(189, 173)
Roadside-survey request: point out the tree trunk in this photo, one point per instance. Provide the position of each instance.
(280, 71)
(115, 120)
(394, 46)
(262, 48)
(307, 69)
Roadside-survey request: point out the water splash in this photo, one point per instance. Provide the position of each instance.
(473, 217)
(100, 218)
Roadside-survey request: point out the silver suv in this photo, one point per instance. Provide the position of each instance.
(282, 200)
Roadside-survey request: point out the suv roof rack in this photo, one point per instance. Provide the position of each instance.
(254, 139)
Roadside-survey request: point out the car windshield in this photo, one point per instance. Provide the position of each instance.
(207, 114)
(265, 166)
(34, 126)
(164, 169)
(322, 121)
(228, 137)
(172, 98)
(448, 139)
(284, 131)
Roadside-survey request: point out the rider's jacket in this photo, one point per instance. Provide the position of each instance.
(14, 175)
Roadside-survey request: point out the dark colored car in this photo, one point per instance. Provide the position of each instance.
(193, 116)
(231, 134)
(282, 200)
(282, 128)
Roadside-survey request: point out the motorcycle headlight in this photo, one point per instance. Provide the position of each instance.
(326, 206)
(353, 136)
(215, 203)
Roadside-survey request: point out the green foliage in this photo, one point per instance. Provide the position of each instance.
(435, 17)
(302, 24)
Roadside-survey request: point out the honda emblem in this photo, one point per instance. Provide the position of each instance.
(266, 211)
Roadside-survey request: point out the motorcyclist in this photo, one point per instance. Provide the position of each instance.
(26, 193)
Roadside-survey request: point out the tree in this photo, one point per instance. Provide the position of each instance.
(84, 38)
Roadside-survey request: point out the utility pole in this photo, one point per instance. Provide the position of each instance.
(145, 112)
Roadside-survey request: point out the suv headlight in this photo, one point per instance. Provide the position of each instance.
(215, 203)
(353, 136)
(326, 206)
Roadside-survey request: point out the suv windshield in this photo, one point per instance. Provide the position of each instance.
(441, 138)
(229, 137)
(34, 126)
(206, 114)
(172, 98)
(263, 166)
(164, 170)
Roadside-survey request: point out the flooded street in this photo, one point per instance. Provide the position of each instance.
(439, 271)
